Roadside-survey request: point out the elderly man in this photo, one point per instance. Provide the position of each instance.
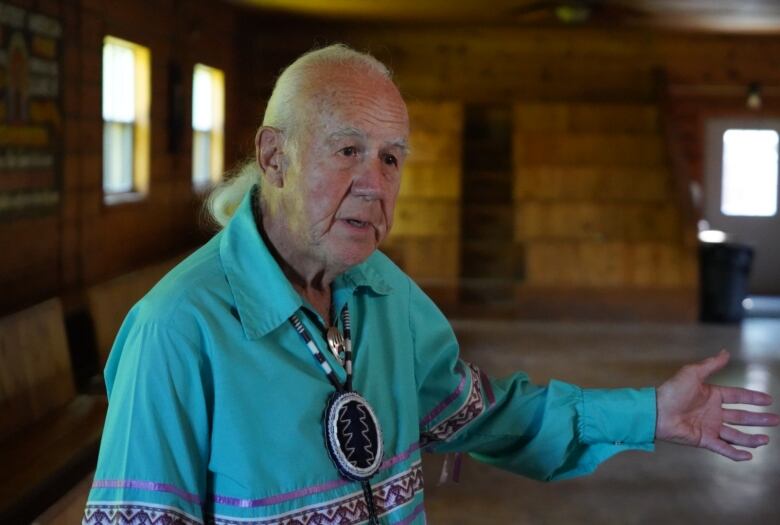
(288, 372)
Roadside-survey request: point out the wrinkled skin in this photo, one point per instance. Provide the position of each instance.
(690, 411)
(328, 209)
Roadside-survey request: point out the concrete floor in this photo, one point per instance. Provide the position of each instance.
(673, 485)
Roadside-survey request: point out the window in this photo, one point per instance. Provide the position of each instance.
(126, 100)
(750, 162)
(208, 109)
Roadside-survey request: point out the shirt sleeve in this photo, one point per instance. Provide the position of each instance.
(547, 433)
(154, 450)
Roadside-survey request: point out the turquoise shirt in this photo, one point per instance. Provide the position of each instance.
(215, 403)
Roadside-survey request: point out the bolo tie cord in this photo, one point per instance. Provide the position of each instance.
(368, 494)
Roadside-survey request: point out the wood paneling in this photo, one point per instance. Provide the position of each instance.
(601, 149)
(588, 118)
(431, 180)
(593, 207)
(425, 238)
(440, 69)
(86, 241)
(596, 221)
(576, 183)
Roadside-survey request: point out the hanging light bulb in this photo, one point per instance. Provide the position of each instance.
(573, 13)
(754, 96)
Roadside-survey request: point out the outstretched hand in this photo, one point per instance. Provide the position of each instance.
(690, 411)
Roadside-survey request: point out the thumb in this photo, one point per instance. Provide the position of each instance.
(712, 364)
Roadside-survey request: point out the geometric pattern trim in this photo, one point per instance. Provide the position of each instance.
(347, 510)
(125, 513)
(438, 409)
(390, 495)
(472, 408)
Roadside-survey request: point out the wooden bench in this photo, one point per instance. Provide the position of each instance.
(49, 435)
(70, 507)
(110, 301)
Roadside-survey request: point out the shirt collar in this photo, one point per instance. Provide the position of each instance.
(264, 297)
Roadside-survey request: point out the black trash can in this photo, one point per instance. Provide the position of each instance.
(724, 271)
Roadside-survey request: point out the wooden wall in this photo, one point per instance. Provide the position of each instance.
(86, 241)
(425, 238)
(30, 241)
(593, 198)
(599, 226)
(444, 68)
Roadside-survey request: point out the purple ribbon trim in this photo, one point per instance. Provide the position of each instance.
(239, 502)
(308, 491)
(407, 520)
(487, 387)
(403, 456)
(279, 498)
(145, 485)
(438, 409)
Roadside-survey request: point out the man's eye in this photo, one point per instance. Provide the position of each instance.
(349, 151)
(390, 160)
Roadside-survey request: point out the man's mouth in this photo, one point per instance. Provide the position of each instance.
(363, 225)
(357, 223)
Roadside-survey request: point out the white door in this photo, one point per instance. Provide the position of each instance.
(741, 192)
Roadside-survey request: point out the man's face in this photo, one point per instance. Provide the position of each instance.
(338, 198)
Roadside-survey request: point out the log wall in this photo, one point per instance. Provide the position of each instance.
(566, 202)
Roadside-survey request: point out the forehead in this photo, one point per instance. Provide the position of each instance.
(349, 102)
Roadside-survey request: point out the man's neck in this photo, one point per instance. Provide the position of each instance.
(309, 278)
(320, 300)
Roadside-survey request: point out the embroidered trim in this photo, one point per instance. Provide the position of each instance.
(472, 408)
(348, 510)
(438, 409)
(126, 513)
(487, 388)
(391, 495)
(246, 503)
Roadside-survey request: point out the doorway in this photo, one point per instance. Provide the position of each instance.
(741, 191)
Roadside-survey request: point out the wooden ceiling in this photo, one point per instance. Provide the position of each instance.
(729, 16)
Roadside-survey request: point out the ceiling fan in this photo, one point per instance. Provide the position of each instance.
(577, 12)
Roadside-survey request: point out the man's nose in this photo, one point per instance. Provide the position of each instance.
(370, 181)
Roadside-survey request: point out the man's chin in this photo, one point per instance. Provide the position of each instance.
(357, 255)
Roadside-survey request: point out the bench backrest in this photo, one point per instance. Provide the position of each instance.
(110, 301)
(35, 368)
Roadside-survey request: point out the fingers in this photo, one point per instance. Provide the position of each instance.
(730, 437)
(724, 449)
(735, 437)
(747, 418)
(712, 364)
(731, 394)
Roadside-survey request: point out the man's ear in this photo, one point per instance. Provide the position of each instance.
(270, 155)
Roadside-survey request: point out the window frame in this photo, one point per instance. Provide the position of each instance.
(724, 173)
(212, 139)
(759, 232)
(139, 126)
(713, 162)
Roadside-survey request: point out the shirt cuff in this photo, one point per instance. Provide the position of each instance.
(619, 416)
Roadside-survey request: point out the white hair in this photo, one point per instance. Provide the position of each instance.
(286, 113)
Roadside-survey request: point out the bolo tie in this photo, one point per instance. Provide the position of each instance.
(353, 437)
